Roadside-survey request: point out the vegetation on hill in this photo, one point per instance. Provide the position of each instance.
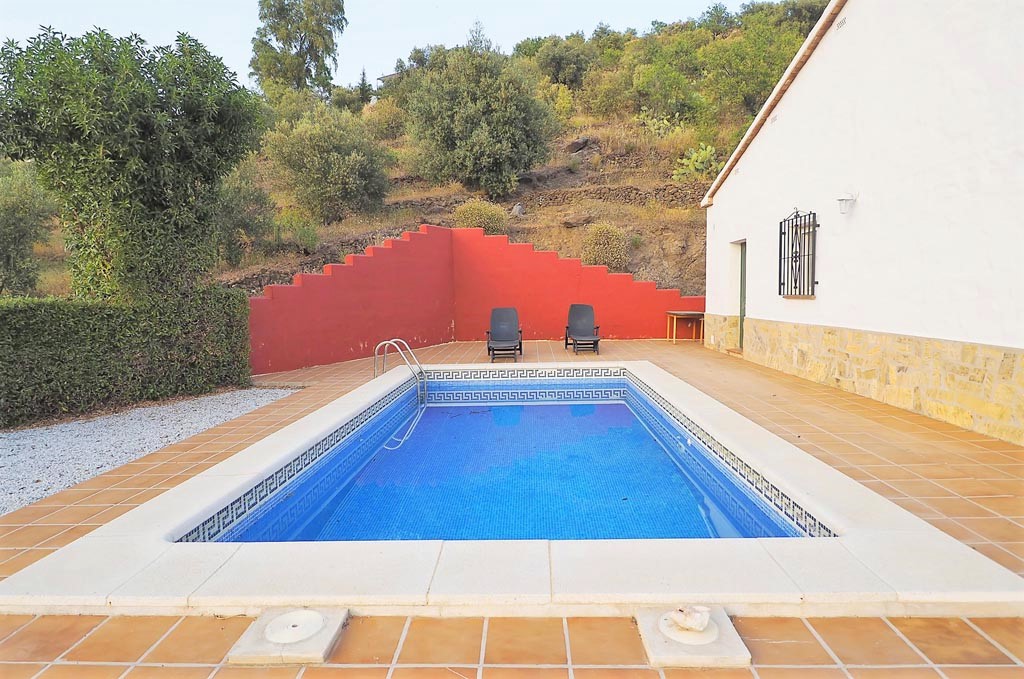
(580, 129)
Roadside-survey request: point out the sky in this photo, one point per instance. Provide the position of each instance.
(379, 32)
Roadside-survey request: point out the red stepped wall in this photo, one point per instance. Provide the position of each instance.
(439, 285)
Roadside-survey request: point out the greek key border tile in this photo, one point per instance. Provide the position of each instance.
(238, 508)
(257, 496)
(804, 520)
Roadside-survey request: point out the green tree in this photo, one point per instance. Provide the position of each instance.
(329, 162)
(296, 42)
(25, 211)
(718, 19)
(476, 120)
(243, 213)
(364, 88)
(742, 69)
(564, 60)
(133, 141)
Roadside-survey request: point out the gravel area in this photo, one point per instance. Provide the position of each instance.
(35, 463)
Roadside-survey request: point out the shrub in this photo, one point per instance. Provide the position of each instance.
(385, 119)
(299, 227)
(476, 120)
(133, 140)
(244, 213)
(493, 219)
(68, 356)
(329, 163)
(25, 210)
(606, 245)
(699, 163)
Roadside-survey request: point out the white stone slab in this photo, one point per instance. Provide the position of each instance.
(322, 574)
(667, 571)
(930, 567)
(512, 572)
(319, 629)
(177, 573)
(825, 571)
(728, 650)
(83, 573)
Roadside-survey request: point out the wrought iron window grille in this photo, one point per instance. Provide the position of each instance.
(797, 250)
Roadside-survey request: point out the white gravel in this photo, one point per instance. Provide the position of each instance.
(35, 463)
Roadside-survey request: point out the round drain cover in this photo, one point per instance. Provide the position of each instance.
(295, 626)
(689, 637)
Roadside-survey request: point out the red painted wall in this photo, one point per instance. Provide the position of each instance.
(491, 272)
(439, 285)
(401, 289)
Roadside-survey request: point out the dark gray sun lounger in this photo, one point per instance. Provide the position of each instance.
(505, 337)
(581, 330)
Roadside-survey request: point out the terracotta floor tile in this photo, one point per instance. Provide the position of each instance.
(781, 641)
(70, 515)
(524, 673)
(169, 672)
(702, 673)
(68, 536)
(26, 515)
(984, 672)
(10, 623)
(608, 673)
(525, 641)
(950, 641)
(368, 640)
(1008, 632)
(800, 673)
(23, 559)
(46, 637)
(30, 536)
(346, 673)
(19, 671)
(199, 640)
(257, 673)
(443, 640)
(998, 529)
(865, 641)
(894, 673)
(83, 672)
(122, 639)
(605, 641)
(434, 673)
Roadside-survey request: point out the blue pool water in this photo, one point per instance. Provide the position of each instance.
(514, 471)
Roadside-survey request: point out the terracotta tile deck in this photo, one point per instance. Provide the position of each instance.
(503, 648)
(969, 485)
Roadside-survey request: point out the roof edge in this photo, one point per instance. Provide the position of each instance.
(795, 66)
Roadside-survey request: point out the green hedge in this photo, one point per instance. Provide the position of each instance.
(69, 356)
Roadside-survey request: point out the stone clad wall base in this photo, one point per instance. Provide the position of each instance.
(721, 332)
(974, 386)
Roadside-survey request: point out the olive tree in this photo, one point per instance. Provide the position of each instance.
(133, 141)
(329, 162)
(477, 120)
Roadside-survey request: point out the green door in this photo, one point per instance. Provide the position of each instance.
(743, 288)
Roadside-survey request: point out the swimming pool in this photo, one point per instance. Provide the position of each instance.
(523, 458)
(856, 553)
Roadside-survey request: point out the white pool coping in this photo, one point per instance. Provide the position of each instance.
(885, 560)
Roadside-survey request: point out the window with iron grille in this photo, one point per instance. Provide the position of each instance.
(797, 244)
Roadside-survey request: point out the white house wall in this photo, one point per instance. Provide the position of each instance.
(915, 107)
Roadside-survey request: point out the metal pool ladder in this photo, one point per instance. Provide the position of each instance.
(417, 372)
(421, 382)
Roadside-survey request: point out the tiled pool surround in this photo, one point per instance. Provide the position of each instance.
(883, 560)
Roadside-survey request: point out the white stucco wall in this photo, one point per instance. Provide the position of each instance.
(916, 107)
